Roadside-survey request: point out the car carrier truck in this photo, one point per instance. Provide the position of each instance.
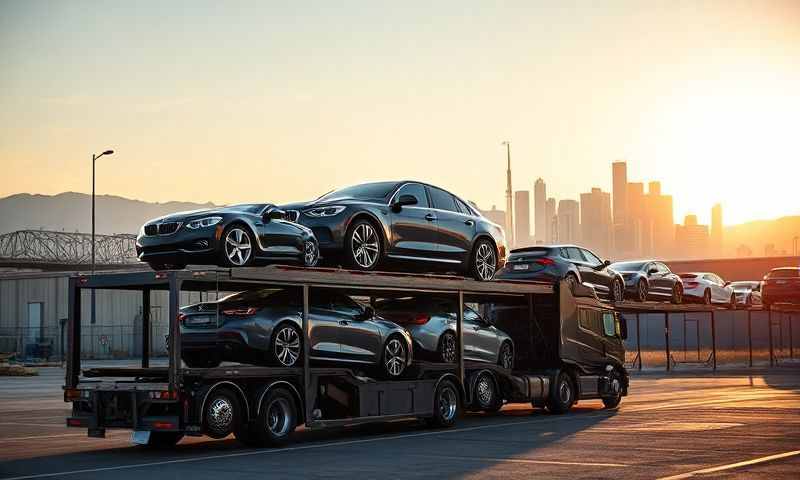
(568, 346)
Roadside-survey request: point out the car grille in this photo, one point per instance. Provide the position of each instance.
(166, 228)
(292, 215)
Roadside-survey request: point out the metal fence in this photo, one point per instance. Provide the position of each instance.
(722, 338)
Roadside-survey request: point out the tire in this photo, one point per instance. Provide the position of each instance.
(732, 303)
(483, 261)
(205, 360)
(222, 413)
(394, 357)
(310, 253)
(363, 245)
(159, 440)
(286, 346)
(485, 394)
(277, 420)
(707, 297)
(612, 402)
(237, 246)
(617, 291)
(448, 346)
(677, 294)
(446, 405)
(572, 281)
(641, 291)
(505, 357)
(562, 394)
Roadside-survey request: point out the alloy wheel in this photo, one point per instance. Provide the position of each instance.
(448, 403)
(310, 254)
(565, 392)
(617, 287)
(364, 245)
(220, 415)
(287, 346)
(238, 247)
(485, 263)
(507, 356)
(485, 391)
(642, 291)
(678, 295)
(707, 297)
(448, 348)
(394, 357)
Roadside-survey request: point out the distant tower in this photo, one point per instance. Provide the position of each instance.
(509, 202)
(522, 217)
(540, 210)
(716, 230)
(550, 216)
(619, 172)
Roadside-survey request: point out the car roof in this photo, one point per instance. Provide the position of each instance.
(784, 268)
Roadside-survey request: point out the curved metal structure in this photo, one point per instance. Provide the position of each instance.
(49, 247)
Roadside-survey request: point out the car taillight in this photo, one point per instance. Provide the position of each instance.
(181, 318)
(420, 319)
(164, 395)
(241, 312)
(691, 284)
(545, 261)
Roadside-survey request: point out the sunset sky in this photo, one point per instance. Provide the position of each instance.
(266, 101)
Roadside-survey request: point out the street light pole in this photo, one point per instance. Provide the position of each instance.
(94, 160)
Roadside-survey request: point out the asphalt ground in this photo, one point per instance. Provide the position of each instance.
(732, 424)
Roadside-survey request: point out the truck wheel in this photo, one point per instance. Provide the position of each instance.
(276, 421)
(562, 394)
(486, 396)
(222, 413)
(164, 439)
(446, 407)
(612, 402)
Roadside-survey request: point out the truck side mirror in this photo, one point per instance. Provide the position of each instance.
(623, 327)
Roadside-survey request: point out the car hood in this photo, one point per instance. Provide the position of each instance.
(177, 216)
(330, 201)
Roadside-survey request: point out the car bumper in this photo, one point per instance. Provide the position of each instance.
(329, 231)
(781, 296)
(180, 247)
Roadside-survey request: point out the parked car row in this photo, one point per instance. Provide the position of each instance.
(264, 327)
(364, 227)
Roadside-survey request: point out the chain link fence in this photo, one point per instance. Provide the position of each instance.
(718, 339)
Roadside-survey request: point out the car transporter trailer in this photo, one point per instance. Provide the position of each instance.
(557, 361)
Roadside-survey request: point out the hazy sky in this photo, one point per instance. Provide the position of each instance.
(268, 101)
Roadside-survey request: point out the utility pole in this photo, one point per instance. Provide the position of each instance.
(94, 160)
(509, 201)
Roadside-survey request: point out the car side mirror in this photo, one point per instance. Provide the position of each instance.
(368, 313)
(727, 283)
(273, 214)
(404, 200)
(623, 328)
(603, 265)
(652, 271)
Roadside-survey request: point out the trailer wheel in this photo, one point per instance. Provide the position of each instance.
(276, 421)
(562, 394)
(164, 439)
(486, 396)
(222, 413)
(446, 407)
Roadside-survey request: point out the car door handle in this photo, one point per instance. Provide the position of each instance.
(430, 217)
(469, 222)
(344, 322)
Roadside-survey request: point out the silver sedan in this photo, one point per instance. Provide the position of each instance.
(432, 325)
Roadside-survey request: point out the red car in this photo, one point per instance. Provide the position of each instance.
(781, 285)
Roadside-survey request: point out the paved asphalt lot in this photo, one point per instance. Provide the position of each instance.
(697, 424)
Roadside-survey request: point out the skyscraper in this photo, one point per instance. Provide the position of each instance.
(619, 173)
(522, 218)
(716, 230)
(691, 238)
(509, 226)
(659, 211)
(568, 221)
(494, 215)
(596, 221)
(640, 225)
(540, 210)
(551, 235)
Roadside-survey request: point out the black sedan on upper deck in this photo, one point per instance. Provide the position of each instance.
(368, 224)
(650, 279)
(235, 236)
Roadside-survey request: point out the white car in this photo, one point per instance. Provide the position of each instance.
(708, 288)
(747, 292)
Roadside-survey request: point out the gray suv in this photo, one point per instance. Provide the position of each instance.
(432, 325)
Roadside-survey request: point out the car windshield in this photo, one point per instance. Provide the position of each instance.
(249, 207)
(628, 266)
(687, 275)
(362, 192)
(529, 252)
(784, 273)
(743, 285)
(266, 296)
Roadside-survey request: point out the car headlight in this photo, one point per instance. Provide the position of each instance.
(325, 211)
(203, 222)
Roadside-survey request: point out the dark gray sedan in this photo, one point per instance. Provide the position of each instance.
(432, 324)
(264, 327)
